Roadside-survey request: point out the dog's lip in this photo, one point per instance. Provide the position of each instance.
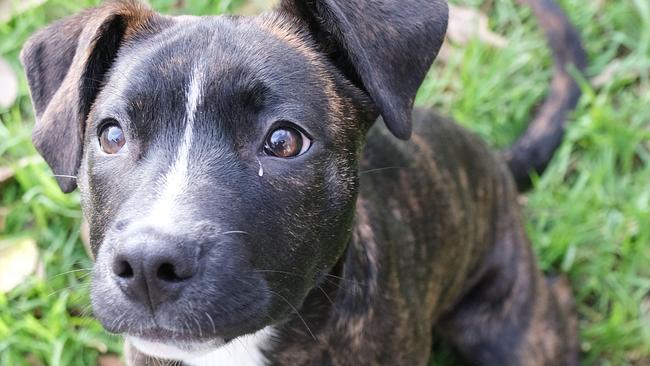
(176, 349)
(159, 334)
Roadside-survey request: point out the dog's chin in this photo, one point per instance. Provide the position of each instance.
(180, 351)
(243, 351)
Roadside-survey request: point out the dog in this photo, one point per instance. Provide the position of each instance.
(246, 208)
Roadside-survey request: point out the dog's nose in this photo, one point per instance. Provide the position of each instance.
(153, 270)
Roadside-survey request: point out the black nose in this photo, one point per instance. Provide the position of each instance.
(153, 268)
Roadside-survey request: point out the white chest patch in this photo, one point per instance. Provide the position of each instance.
(243, 351)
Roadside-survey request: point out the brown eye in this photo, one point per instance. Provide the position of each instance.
(286, 142)
(112, 139)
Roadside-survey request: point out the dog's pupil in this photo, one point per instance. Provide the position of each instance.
(284, 142)
(112, 139)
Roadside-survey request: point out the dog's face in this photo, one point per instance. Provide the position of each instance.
(217, 156)
(225, 171)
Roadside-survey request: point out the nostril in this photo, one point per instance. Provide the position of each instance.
(167, 272)
(123, 269)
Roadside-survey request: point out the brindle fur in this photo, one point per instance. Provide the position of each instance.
(426, 235)
(486, 296)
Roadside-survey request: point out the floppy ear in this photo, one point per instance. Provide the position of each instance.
(65, 64)
(383, 46)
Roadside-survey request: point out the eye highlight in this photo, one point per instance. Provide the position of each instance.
(286, 142)
(111, 138)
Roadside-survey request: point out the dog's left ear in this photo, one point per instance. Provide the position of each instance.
(383, 46)
(66, 64)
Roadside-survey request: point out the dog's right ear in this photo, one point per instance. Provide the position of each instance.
(66, 64)
(384, 46)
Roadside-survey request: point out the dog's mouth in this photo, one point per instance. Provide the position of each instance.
(163, 335)
(158, 344)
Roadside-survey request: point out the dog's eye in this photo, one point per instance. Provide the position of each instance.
(111, 138)
(286, 142)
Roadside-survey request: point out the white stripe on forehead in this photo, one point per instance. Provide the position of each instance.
(176, 180)
(138, 57)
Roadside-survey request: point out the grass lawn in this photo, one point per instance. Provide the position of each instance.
(588, 216)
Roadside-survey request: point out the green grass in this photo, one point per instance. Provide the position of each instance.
(588, 215)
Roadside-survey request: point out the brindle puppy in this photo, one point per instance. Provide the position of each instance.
(244, 210)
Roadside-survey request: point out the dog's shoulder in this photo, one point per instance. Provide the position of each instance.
(438, 146)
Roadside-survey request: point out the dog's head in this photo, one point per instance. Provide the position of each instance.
(217, 156)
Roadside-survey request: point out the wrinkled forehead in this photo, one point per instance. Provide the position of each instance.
(255, 55)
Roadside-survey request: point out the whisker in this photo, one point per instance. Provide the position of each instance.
(326, 295)
(337, 277)
(64, 176)
(214, 328)
(112, 89)
(187, 325)
(71, 271)
(87, 311)
(381, 169)
(357, 283)
(295, 311)
(76, 286)
(234, 232)
(339, 285)
(118, 321)
(198, 325)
